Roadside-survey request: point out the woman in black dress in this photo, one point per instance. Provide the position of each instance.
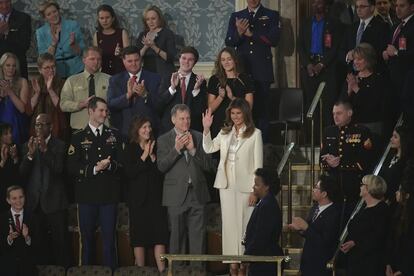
(401, 240)
(395, 163)
(367, 231)
(156, 43)
(366, 90)
(148, 218)
(9, 164)
(227, 83)
(111, 39)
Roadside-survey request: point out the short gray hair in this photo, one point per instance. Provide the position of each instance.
(376, 185)
(179, 107)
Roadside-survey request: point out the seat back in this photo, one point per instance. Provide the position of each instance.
(51, 270)
(291, 105)
(136, 271)
(89, 270)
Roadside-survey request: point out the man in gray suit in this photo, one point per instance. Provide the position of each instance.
(182, 158)
(43, 162)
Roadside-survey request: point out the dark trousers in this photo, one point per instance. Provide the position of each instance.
(104, 215)
(57, 251)
(261, 107)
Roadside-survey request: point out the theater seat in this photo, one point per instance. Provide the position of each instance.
(89, 270)
(51, 270)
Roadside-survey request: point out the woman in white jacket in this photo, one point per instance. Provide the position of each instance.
(241, 153)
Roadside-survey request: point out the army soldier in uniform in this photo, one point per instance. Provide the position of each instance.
(92, 160)
(346, 152)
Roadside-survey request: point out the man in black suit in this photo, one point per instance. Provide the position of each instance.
(400, 51)
(318, 44)
(184, 87)
(15, 33)
(16, 236)
(93, 160)
(320, 230)
(383, 8)
(265, 224)
(370, 29)
(43, 163)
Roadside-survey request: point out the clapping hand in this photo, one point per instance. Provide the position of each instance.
(207, 118)
(199, 81)
(117, 51)
(72, 39)
(229, 93)
(103, 164)
(180, 141)
(35, 86)
(12, 234)
(331, 160)
(175, 77)
(298, 224)
(4, 154)
(242, 25)
(148, 40)
(352, 84)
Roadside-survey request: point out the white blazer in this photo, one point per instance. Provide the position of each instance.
(249, 157)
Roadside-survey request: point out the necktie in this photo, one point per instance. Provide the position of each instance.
(251, 17)
(315, 214)
(360, 32)
(397, 32)
(183, 89)
(91, 85)
(98, 134)
(134, 81)
(18, 224)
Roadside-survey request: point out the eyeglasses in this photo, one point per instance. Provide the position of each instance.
(362, 7)
(49, 68)
(39, 125)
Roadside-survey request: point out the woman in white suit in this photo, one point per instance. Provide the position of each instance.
(241, 153)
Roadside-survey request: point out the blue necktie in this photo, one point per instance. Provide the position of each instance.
(360, 32)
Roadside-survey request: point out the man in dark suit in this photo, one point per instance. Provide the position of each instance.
(344, 10)
(370, 29)
(93, 160)
(16, 258)
(253, 31)
(183, 161)
(265, 224)
(383, 8)
(15, 33)
(184, 87)
(320, 230)
(133, 92)
(400, 51)
(319, 39)
(43, 162)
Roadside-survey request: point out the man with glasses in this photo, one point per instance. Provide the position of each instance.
(369, 29)
(320, 229)
(43, 163)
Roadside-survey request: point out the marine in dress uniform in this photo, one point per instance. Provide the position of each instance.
(92, 160)
(352, 144)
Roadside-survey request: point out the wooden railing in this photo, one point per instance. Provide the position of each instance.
(214, 258)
